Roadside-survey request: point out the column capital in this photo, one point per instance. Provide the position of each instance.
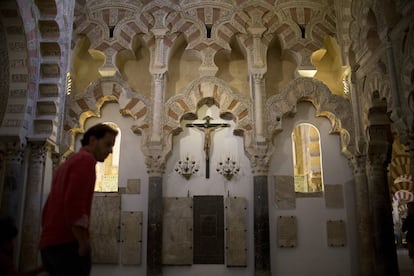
(155, 165)
(14, 153)
(358, 163)
(259, 158)
(260, 164)
(257, 77)
(158, 76)
(38, 152)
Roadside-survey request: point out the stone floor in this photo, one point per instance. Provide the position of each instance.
(405, 264)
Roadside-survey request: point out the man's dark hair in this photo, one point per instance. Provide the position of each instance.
(98, 131)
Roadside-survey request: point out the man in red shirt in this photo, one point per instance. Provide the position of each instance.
(64, 242)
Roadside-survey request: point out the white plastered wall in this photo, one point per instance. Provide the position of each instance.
(313, 256)
(131, 166)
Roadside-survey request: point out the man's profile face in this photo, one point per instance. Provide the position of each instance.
(101, 148)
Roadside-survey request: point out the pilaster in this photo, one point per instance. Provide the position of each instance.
(13, 180)
(363, 217)
(261, 227)
(30, 233)
(154, 240)
(156, 167)
(385, 261)
(260, 167)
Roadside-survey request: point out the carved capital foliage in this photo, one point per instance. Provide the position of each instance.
(158, 77)
(258, 78)
(260, 164)
(358, 163)
(56, 158)
(38, 152)
(155, 165)
(259, 158)
(14, 153)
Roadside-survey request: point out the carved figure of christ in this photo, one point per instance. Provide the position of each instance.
(207, 128)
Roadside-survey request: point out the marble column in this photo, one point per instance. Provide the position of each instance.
(13, 182)
(261, 216)
(261, 227)
(154, 240)
(158, 104)
(155, 210)
(258, 106)
(385, 260)
(363, 218)
(32, 213)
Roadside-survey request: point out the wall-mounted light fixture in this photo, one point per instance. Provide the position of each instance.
(228, 168)
(186, 167)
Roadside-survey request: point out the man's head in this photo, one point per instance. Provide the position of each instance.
(99, 139)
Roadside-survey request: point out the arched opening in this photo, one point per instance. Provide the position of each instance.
(107, 171)
(307, 159)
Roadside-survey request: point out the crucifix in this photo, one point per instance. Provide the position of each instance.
(207, 128)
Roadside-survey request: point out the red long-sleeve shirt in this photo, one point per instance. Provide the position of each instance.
(70, 199)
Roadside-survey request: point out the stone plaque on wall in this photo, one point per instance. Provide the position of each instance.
(236, 231)
(177, 234)
(131, 238)
(208, 230)
(133, 186)
(287, 231)
(336, 232)
(334, 196)
(104, 225)
(284, 192)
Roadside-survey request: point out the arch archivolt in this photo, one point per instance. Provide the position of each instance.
(208, 88)
(335, 108)
(90, 104)
(19, 73)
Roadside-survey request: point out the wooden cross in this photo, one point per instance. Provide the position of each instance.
(207, 128)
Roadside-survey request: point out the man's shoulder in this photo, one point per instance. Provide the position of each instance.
(81, 156)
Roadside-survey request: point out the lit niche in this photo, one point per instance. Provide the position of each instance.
(307, 160)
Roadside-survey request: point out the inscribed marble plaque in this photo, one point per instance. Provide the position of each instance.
(336, 233)
(133, 186)
(106, 211)
(131, 238)
(208, 230)
(287, 231)
(177, 234)
(334, 196)
(284, 192)
(236, 231)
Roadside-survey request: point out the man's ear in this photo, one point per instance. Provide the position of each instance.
(92, 140)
